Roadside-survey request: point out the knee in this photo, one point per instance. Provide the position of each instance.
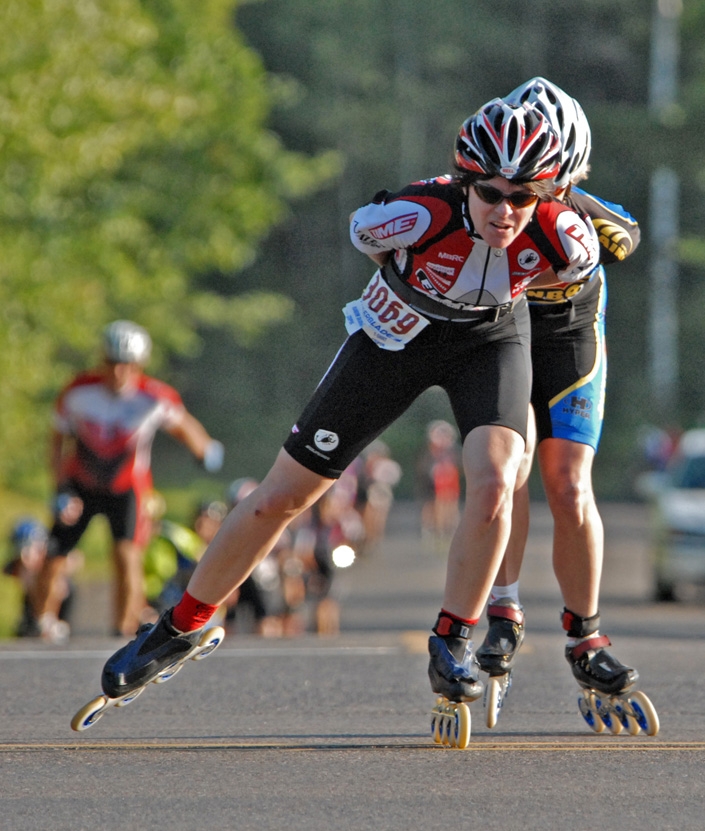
(525, 467)
(491, 490)
(569, 496)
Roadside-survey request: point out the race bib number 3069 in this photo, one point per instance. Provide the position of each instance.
(384, 316)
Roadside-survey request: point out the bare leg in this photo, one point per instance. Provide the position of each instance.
(566, 469)
(491, 459)
(510, 566)
(251, 529)
(49, 592)
(514, 554)
(129, 597)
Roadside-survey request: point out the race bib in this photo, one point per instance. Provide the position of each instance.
(383, 316)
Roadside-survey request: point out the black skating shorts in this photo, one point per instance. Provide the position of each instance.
(484, 367)
(122, 511)
(570, 365)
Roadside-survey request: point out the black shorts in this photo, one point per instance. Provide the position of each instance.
(122, 511)
(485, 369)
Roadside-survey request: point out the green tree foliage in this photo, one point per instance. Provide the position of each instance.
(138, 168)
(135, 155)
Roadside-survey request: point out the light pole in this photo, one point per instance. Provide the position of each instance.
(663, 329)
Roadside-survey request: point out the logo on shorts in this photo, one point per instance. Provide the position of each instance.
(581, 404)
(528, 259)
(580, 407)
(326, 440)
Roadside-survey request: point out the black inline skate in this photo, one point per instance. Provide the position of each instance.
(156, 654)
(607, 699)
(497, 653)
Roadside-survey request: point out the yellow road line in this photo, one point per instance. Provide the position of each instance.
(642, 744)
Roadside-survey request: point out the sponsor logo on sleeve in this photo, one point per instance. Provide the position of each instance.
(398, 225)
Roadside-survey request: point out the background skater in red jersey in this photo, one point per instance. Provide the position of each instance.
(105, 421)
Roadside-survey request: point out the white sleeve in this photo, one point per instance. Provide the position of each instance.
(170, 413)
(387, 227)
(581, 246)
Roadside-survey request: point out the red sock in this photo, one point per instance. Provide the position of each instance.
(448, 623)
(190, 614)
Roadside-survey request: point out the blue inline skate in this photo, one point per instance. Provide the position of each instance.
(455, 677)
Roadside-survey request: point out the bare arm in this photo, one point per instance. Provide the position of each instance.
(381, 259)
(194, 436)
(544, 279)
(57, 452)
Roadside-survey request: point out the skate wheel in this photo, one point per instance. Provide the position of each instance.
(436, 727)
(461, 724)
(605, 711)
(88, 715)
(586, 705)
(630, 724)
(623, 711)
(128, 699)
(210, 640)
(451, 723)
(613, 724)
(493, 700)
(167, 674)
(644, 712)
(447, 728)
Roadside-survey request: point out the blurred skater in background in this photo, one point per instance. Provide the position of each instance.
(105, 421)
(27, 549)
(268, 601)
(377, 475)
(326, 540)
(175, 549)
(438, 479)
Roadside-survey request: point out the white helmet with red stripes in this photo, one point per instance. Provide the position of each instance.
(515, 141)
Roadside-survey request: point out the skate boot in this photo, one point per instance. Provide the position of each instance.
(504, 637)
(455, 676)
(607, 698)
(594, 667)
(156, 647)
(497, 653)
(156, 654)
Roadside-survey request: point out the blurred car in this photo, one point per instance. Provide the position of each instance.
(678, 518)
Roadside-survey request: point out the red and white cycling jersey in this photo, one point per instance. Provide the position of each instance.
(427, 225)
(114, 432)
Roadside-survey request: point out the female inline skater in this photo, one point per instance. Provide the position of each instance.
(447, 308)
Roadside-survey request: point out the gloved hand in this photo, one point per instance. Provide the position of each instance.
(615, 243)
(213, 457)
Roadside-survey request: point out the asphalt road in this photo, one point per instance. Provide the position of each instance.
(316, 733)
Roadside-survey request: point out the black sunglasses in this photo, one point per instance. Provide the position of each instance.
(493, 196)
